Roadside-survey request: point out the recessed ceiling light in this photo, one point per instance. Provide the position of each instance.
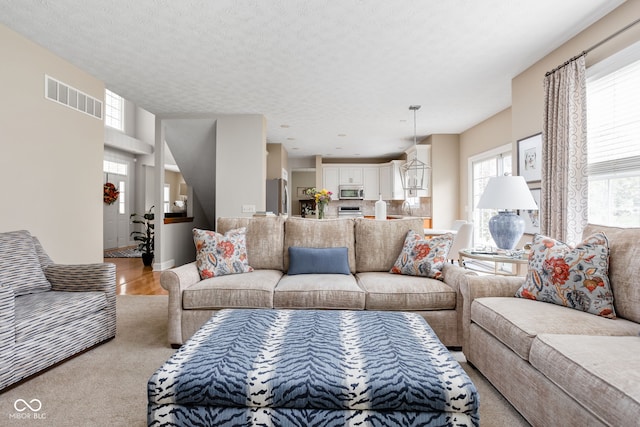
(342, 134)
(338, 148)
(295, 148)
(403, 120)
(291, 139)
(356, 154)
(285, 126)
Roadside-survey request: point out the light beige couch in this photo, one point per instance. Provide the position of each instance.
(373, 247)
(556, 365)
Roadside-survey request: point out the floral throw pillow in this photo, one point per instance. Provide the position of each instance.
(219, 255)
(572, 277)
(423, 257)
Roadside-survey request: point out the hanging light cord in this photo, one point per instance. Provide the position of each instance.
(414, 127)
(415, 132)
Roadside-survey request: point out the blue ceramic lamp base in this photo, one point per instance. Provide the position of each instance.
(506, 228)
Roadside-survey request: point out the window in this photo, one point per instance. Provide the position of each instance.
(113, 110)
(613, 137)
(114, 167)
(484, 166)
(122, 207)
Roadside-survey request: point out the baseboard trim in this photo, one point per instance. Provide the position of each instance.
(159, 266)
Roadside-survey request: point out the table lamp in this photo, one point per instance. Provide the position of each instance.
(507, 193)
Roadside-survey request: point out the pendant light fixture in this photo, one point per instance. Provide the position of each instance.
(412, 172)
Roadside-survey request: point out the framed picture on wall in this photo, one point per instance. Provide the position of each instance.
(532, 217)
(301, 192)
(530, 158)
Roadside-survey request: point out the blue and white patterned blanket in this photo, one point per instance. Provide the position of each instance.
(308, 367)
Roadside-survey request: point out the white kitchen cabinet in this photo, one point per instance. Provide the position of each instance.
(371, 180)
(331, 180)
(423, 153)
(390, 182)
(376, 179)
(351, 175)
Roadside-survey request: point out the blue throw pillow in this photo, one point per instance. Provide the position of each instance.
(318, 261)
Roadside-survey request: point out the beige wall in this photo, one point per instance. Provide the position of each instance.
(303, 179)
(277, 160)
(50, 154)
(525, 117)
(174, 179)
(445, 181)
(241, 167)
(491, 133)
(527, 88)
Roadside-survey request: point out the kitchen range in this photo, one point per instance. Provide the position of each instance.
(350, 212)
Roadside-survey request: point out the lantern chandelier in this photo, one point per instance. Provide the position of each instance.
(412, 172)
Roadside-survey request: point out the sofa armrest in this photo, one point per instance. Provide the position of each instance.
(179, 278)
(473, 287)
(490, 286)
(87, 278)
(7, 334)
(175, 281)
(82, 277)
(454, 276)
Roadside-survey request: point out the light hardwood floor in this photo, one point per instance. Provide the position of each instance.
(133, 278)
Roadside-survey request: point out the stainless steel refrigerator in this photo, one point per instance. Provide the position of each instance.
(277, 196)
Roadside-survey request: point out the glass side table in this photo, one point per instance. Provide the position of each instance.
(497, 259)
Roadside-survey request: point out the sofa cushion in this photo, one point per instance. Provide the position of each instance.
(378, 243)
(251, 290)
(321, 291)
(572, 277)
(20, 268)
(219, 255)
(396, 292)
(423, 257)
(624, 268)
(315, 233)
(265, 239)
(517, 321)
(318, 260)
(600, 372)
(38, 314)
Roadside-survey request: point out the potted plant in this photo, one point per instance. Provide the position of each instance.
(145, 237)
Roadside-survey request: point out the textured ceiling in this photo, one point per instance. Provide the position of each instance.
(334, 78)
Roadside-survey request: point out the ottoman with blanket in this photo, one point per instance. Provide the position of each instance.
(312, 367)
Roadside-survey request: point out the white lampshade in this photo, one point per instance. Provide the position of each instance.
(507, 193)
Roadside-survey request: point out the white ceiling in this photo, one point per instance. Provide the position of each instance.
(332, 77)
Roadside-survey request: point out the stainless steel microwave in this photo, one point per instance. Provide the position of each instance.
(351, 192)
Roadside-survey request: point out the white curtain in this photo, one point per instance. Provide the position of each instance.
(563, 201)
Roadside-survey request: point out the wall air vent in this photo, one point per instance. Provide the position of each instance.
(64, 94)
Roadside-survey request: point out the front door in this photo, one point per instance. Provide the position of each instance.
(116, 215)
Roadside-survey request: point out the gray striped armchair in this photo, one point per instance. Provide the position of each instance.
(48, 311)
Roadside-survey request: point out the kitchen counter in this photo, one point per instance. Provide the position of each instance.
(426, 220)
(438, 231)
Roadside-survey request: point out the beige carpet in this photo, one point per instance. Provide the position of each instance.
(106, 386)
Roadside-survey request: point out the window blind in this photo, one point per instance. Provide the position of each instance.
(613, 118)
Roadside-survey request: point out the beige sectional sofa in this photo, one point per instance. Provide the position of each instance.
(373, 247)
(557, 365)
